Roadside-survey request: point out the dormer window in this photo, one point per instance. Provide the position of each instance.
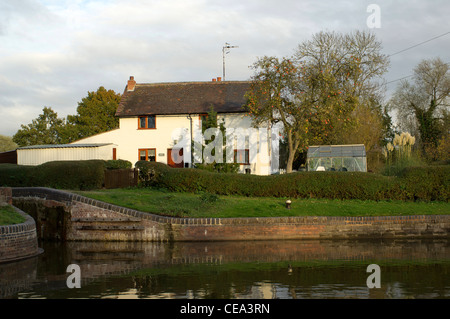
(147, 122)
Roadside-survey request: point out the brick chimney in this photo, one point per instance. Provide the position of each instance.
(219, 79)
(131, 84)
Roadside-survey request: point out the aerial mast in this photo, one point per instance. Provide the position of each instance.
(225, 50)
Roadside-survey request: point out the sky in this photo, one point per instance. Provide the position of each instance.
(53, 52)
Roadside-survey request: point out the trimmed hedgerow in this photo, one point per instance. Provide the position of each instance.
(332, 185)
(76, 175)
(81, 175)
(427, 183)
(118, 164)
(16, 176)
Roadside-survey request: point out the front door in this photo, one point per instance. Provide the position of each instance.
(177, 154)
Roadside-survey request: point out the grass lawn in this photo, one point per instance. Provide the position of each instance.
(163, 202)
(9, 216)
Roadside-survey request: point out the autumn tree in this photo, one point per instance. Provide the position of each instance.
(344, 83)
(269, 99)
(423, 103)
(314, 93)
(367, 128)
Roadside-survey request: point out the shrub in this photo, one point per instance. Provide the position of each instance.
(81, 175)
(77, 175)
(150, 173)
(219, 167)
(16, 176)
(118, 164)
(429, 184)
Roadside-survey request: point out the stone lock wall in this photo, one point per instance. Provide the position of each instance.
(65, 216)
(81, 218)
(20, 240)
(382, 227)
(5, 196)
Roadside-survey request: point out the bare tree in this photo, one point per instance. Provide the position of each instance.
(354, 59)
(423, 103)
(314, 93)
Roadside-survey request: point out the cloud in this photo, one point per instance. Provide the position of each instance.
(25, 19)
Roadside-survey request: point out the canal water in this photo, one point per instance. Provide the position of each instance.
(233, 270)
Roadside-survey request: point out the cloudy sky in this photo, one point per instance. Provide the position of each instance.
(52, 52)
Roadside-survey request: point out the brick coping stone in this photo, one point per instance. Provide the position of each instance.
(27, 227)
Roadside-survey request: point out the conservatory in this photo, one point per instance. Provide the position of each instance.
(350, 158)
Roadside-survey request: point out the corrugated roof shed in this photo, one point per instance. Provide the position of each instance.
(63, 146)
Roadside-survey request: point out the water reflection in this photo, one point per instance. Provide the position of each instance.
(320, 269)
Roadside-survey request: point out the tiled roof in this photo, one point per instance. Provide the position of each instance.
(183, 98)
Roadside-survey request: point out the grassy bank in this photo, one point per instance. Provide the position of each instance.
(178, 204)
(9, 216)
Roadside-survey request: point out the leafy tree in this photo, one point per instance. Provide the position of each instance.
(270, 100)
(314, 93)
(95, 114)
(423, 103)
(7, 144)
(367, 128)
(210, 121)
(45, 129)
(389, 129)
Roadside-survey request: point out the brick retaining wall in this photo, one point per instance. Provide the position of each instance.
(5, 196)
(94, 220)
(20, 240)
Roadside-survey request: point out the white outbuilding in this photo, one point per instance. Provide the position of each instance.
(39, 154)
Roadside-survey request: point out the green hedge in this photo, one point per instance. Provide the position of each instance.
(415, 184)
(427, 183)
(16, 175)
(118, 164)
(150, 173)
(76, 175)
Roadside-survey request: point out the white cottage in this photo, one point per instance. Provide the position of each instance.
(152, 115)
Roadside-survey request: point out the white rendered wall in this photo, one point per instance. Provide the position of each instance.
(128, 139)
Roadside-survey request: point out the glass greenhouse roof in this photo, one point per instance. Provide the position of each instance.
(337, 151)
